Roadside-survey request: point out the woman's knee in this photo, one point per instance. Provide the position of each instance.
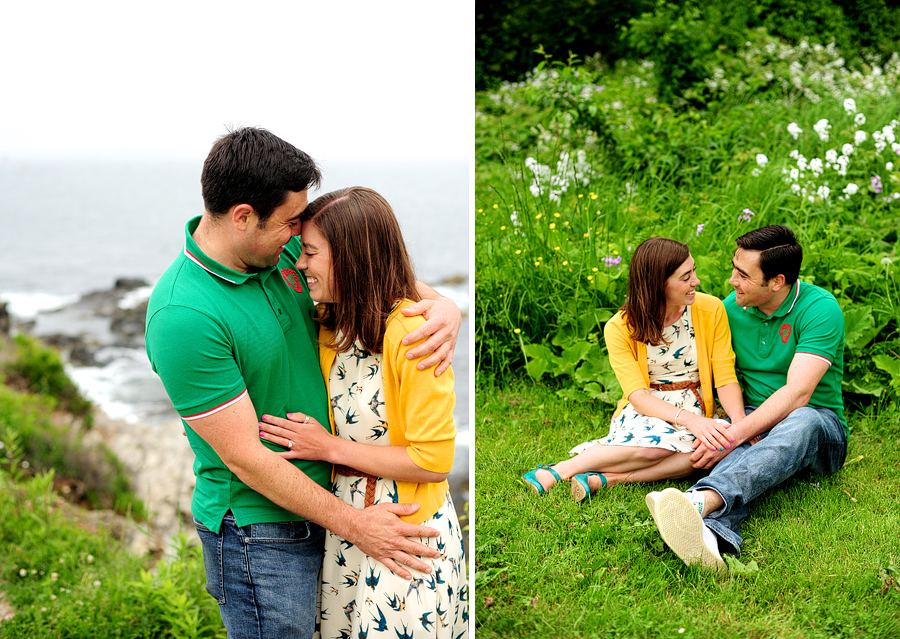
(652, 454)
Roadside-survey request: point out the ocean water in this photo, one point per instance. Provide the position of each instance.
(73, 227)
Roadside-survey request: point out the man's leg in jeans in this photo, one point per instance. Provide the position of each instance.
(265, 577)
(807, 438)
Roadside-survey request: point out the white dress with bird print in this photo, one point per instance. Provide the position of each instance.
(667, 364)
(359, 597)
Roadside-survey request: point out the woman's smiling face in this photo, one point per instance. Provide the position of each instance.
(681, 284)
(315, 261)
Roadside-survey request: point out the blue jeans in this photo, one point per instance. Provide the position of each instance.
(265, 577)
(808, 438)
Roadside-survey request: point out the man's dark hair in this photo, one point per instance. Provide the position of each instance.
(253, 166)
(778, 249)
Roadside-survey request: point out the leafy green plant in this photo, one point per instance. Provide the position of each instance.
(100, 478)
(678, 41)
(42, 370)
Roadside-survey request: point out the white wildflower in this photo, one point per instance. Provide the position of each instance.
(859, 137)
(880, 142)
(795, 174)
(761, 160)
(794, 154)
(889, 166)
(802, 163)
(821, 128)
(887, 261)
(831, 155)
(794, 130)
(860, 119)
(823, 192)
(795, 188)
(851, 189)
(850, 106)
(815, 165)
(888, 133)
(847, 149)
(842, 163)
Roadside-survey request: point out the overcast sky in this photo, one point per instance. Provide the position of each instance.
(342, 80)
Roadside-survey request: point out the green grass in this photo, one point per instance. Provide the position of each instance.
(828, 566)
(63, 580)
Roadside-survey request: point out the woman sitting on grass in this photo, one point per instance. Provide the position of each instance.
(667, 345)
(394, 435)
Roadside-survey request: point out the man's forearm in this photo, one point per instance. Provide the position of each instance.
(286, 485)
(428, 293)
(779, 405)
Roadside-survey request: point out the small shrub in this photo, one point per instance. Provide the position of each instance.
(42, 371)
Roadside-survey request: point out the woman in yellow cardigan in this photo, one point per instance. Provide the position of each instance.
(393, 435)
(669, 347)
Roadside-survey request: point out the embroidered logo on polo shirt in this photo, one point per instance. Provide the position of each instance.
(785, 332)
(293, 280)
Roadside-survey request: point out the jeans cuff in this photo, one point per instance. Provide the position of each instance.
(732, 541)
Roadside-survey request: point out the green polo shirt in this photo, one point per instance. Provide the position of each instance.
(809, 322)
(215, 335)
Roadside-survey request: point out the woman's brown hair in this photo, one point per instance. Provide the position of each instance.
(371, 269)
(654, 261)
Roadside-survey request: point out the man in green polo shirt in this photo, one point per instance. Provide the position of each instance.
(789, 349)
(230, 332)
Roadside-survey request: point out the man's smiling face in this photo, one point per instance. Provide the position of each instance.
(750, 286)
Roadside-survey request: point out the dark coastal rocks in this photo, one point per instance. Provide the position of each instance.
(5, 323)
(129, 323)
(97, 320)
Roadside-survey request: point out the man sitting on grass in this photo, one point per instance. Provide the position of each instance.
(789, 348)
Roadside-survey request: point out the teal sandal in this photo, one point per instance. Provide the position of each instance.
(581, 489)
(531, 478)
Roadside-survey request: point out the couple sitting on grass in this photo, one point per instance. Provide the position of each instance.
(671, 347)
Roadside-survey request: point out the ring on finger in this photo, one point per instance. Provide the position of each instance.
(290, 443)
(306, 420)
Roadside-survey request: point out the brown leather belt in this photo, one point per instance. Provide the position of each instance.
(694, 386)
(346, 471)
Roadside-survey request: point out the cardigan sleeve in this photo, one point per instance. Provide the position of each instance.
(623, 356)
(424, 403)
(721, 354)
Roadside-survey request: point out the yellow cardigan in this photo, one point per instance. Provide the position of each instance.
(419, 411)
(712, 339)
